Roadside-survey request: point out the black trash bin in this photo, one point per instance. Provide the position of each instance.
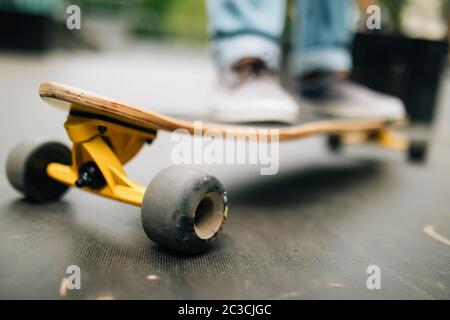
(407, 68)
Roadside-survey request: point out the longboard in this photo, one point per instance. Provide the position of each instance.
(181, 208)
(89, 104)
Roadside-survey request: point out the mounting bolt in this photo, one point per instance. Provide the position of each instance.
(102, 129)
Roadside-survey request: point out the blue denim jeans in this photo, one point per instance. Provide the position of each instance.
(321, 33)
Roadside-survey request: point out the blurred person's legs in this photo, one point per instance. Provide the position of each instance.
(322, 62)
(322, 36)
(246, 36)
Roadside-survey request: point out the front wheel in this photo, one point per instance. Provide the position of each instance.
(184, 209)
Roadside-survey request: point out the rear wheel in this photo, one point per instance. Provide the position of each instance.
(26, 169)
(417, 151)
(334, 142)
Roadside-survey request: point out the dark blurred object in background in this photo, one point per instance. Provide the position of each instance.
(36, 26)
(407, 56)
(25, 28)
(410, 69)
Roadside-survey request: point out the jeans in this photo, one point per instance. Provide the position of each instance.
(253, 28)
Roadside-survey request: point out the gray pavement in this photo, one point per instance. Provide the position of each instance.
(308, 232)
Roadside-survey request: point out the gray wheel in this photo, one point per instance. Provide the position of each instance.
(26, 169)
(417, 151)
(184, 209)
(334, 143)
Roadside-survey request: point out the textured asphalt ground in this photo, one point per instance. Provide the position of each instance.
(310, 231)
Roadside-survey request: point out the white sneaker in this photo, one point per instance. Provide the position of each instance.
(251, 93)
(343, 98)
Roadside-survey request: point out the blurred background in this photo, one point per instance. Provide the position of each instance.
(409, 51)
(309, 232)
(174, 20)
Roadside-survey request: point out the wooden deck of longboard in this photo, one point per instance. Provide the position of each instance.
(83, 102)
